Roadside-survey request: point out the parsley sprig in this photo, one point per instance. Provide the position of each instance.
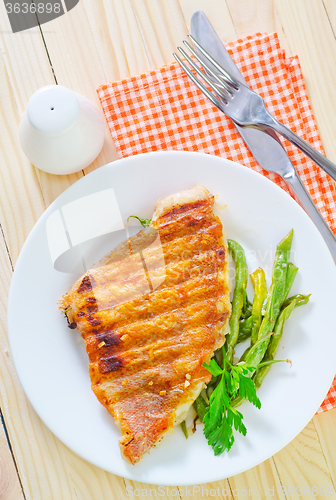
(221, 418)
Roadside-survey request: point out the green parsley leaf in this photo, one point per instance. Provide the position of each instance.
(238, 421)
(221, 418)
(221, 438)
(247, 390)
(213, 368)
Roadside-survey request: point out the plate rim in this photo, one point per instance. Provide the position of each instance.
(113, 165)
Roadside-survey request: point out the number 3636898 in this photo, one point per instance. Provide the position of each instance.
(33, 8)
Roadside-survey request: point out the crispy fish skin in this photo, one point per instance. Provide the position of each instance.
(151, 312)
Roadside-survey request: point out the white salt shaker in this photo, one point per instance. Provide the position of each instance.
(61, 132)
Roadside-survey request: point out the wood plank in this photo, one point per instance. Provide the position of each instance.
(24, 190)
(83, 63)
(10, 487)
(260, 481)
(135, 489)
(221, 490)
(25, 60)
(302, 466)
(325, 424)
(21, 200)
(309, 34)
(217, 13)
(121, 40)
(90, 482)
(24, 69)
(42, 468)
(162, 27)
(252, 16)
(330, 7)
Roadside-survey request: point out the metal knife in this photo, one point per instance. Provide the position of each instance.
(265, 146)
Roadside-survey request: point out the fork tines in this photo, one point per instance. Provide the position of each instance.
(222, 83)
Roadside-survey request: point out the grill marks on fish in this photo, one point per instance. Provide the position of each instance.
(181, 274)
(141, 343)
(179, 304)
(110, 364)
(186, 214)
(109, 337)
(85, 285)
(147, 338)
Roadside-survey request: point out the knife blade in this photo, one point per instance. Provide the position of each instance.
(265, 146)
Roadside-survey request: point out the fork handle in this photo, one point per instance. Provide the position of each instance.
(323, 162)
(303, 198)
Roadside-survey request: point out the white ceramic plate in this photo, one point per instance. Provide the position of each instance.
(51, 360)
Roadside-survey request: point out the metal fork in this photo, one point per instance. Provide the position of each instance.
(277, 162)
(240, 103)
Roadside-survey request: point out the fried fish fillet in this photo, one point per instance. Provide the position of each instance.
(151, 312)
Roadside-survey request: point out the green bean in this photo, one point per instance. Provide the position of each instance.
(237, 401)
(260, 292)
(290, 277)
(245, 353)
(245, 328)
(200, 407)
(219, 357)
(276, 337)
(246, 314)
(264, 307)
(275, 299)
(239, 296)
(211, 386)
(247, 307)
(245, 325)
(184, 429)
(247, 303)
(290, 300)
(291, 273)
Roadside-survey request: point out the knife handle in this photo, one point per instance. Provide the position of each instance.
(303, 198)
(323, 162)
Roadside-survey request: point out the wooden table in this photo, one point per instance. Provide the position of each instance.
(97, 42)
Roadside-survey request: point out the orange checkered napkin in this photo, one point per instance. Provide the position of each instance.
(164, 110)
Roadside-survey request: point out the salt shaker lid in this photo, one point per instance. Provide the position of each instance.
(52, 110)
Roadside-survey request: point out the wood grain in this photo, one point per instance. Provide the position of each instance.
(257, 481)
(25, 68)
(21, 200)
(309, 34)
(217, 12)
(34, 446)
(330, 8)
(10, 487)
(97, 42)
(325, 425)
(223, 490)
(256, 16)
(303, 466)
